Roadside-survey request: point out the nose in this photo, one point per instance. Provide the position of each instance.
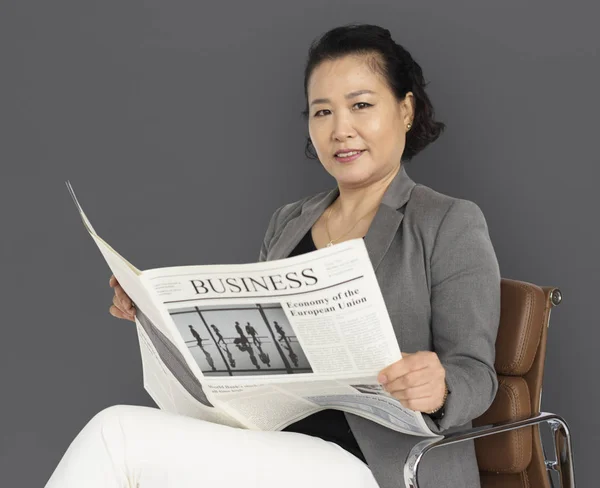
(342, 128)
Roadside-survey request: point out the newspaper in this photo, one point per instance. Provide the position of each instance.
(263, 345)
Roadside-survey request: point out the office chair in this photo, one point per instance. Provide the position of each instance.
(507, 438)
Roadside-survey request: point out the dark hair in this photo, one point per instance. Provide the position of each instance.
(394, 63)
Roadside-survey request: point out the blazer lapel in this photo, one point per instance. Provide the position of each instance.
(381, 232)
(386, 222)
(295, 228)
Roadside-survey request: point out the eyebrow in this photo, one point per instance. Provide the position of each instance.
(348, 96)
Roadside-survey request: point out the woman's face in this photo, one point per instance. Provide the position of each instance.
(373, 122)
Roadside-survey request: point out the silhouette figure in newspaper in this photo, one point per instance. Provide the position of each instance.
(251, 331)
(199, 340)
(263, 356)
(243, 344)
(285, 342)
(224, 347)
(218, 334)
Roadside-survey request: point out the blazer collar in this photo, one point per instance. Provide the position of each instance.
(380, 234)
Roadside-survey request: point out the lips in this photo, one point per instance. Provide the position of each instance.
(349, 158)
(343, 151)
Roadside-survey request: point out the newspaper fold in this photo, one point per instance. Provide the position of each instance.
(263, 345)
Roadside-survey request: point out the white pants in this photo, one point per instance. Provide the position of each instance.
(142, 447)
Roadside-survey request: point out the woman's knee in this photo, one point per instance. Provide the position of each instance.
(116, 415)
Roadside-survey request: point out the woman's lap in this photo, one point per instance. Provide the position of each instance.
(130, 446)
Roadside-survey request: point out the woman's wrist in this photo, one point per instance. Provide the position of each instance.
(438, 409)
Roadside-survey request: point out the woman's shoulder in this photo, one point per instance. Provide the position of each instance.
(430, 210)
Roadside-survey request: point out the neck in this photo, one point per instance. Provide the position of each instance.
(355, 201)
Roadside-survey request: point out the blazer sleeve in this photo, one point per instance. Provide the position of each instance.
(269, 234)
(465, 304)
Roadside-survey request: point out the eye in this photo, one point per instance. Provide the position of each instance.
(357, 103)
(317, 113)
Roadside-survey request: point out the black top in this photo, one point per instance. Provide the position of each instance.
(329, 424)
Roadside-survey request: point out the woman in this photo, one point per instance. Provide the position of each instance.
(367, 113)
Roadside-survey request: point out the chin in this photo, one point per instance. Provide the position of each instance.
(356, 176)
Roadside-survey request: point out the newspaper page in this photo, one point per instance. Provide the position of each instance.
(263, 345)
(166, 379)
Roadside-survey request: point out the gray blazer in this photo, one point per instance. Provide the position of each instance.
(440, 280)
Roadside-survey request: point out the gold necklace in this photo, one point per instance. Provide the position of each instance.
(331, 241)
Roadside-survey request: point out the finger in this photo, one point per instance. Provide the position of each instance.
(123, 298)
(399, 369)
(117, 303)
(116, 312)
(112, 282)
(415, 393)
(412, 379)
(412, 362)
(391, 372)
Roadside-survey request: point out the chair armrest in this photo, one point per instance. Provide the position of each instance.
(562, 443)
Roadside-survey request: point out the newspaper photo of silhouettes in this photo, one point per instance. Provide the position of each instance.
(238, 340)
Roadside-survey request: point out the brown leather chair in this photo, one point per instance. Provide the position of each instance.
(507, 437)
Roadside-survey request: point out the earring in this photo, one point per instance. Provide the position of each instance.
(408, 126)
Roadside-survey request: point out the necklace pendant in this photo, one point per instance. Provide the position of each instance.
(330, 243)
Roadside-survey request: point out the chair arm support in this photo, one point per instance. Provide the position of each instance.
(562, 444)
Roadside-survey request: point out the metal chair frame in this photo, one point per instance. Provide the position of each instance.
(562, 463)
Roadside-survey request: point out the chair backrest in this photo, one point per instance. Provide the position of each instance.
(515, 458)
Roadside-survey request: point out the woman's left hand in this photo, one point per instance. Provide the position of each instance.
(418, 380)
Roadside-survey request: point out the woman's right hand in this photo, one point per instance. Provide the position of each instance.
(122, 306)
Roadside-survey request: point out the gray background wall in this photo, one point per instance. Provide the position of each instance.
(173, 118)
